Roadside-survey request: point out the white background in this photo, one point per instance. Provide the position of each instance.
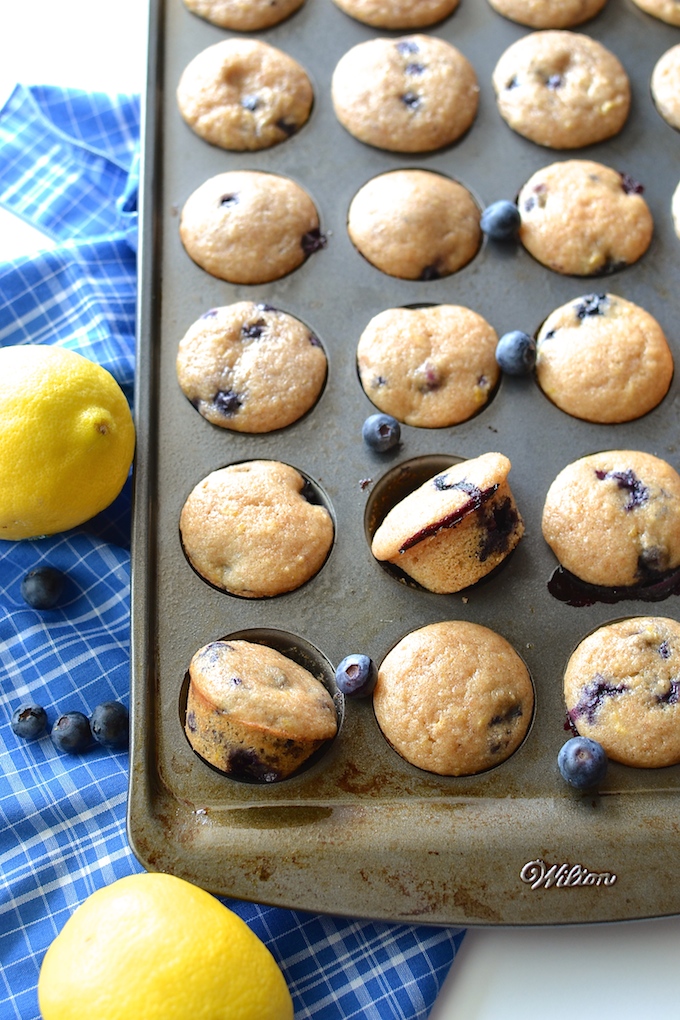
(623, 971)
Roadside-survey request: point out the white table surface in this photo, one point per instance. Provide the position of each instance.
(627, 971)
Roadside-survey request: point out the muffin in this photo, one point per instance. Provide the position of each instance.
(431, 366)
(398, 13)
(664, 10)
(454, 529)
(249, 529)
(603, 359)
(665, 86)
(243, 15)
(548, 13)
(249, 367)
(613, 518)
(253, 712)
(622, 688)
(454, 698)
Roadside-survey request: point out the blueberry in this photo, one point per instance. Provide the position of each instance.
(582, 762)
(29, 721)
(500, 221)
(516, 353)
(356, 675)
(41, 588)
(71, 733)
(381, 432)
(110, 724)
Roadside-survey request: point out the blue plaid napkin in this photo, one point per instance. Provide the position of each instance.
(68, 166)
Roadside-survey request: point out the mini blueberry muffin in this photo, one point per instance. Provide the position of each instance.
(548, 13)
(664, 10)
(250, 227)
(454, 529)
(249, 529)
(622, 688)
(398, 13)
(253, 712)
(603, 359)
(412, 94)
(560, 89)
(665, 86)
(613, 518)
(244, 15)
(243, 94)
(582, 218)
(454, 698)
(250, 367)
(430, 367)
(415, 224)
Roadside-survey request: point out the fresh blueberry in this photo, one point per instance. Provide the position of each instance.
(356, 675)
(41, 588)
(381, 432)
(110, 725)
(71, 733)
(582, 762)
(29, 721)
(500, 221)
(516, 353)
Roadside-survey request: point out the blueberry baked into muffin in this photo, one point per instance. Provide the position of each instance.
(431, 366)
(582, 218)
(603, 359)
(249, 367)
(456, 528)
(254, 713)
(412, 94)
(622, 688)
(243, 95)
(454, 698)
(613, 518)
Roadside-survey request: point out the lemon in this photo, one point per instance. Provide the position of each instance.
(156, 947)
(66, 440)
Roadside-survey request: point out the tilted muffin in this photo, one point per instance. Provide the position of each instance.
(249, 529)
(665, 86)
(454, 529)
(613, 518)
(548, 13)
(248, 226)
(398, 13)
(250, 367)
(244, 15)
(583, 218)
(560, 89)
(243, 94)
(603, 359)
(412, 94)
(622, 688)
(430, 367)
(454, 698)
(664, 10)
(415, 224)
(253, 712)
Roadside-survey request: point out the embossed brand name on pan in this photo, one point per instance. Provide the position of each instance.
(539, 875)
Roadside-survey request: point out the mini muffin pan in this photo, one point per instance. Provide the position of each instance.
(360, 832)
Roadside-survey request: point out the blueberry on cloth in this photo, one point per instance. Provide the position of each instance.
(582, 762)
(381, 432)
(41, 588)
(71, 733)
(29, 721)
(356, 675)
(110, 724)
(500, 221)
(516, 353)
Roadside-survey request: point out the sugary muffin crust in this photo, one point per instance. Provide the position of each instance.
(613, 518)
(454, 698)
(622, 688)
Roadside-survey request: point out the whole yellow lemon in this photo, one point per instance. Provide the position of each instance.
(66, 440)
(156, 947)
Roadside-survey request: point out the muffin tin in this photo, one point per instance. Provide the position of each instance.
(360, 832)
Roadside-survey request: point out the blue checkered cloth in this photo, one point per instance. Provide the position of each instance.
(68, 166)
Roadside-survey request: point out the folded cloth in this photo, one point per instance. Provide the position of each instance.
(68, 166)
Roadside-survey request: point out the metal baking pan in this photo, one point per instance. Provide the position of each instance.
(362, 833)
